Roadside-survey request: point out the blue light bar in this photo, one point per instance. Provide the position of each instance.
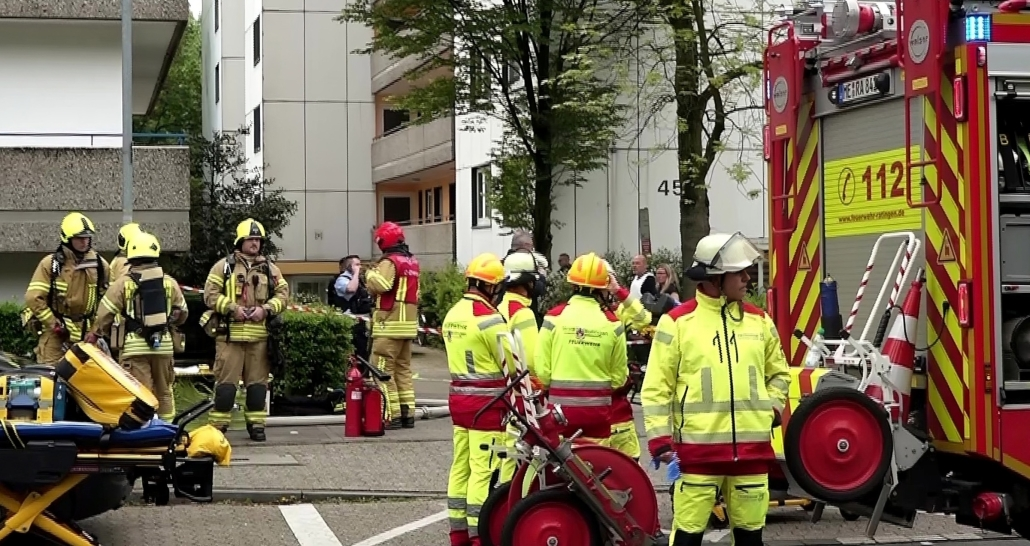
(978, 27)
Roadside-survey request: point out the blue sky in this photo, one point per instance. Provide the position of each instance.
(195, 7)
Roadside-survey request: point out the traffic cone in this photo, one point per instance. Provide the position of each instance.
(900, 349)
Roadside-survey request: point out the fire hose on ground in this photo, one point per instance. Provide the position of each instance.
(424, 409)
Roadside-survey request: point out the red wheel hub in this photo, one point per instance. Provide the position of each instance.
(841, 445)
(552, 523)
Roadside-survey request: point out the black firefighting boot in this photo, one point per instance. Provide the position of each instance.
(257, 432)
(684, 538)
(742, 537)
(407, 417)
(394, 424)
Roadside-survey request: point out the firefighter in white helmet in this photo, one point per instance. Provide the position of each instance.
(715, 384)
(581, 353)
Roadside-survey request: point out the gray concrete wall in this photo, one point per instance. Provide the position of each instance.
(142, 10)
(41, 185)
(412, 149)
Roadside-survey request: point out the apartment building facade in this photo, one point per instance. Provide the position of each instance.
(61, 128)
(307, 104)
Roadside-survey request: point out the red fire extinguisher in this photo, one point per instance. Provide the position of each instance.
(374, 424)
(355, 404)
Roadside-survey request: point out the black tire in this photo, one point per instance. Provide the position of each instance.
(499, 494)
(849, 516)
(558, 497)
(793, 453)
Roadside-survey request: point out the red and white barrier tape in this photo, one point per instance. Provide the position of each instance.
(366, 318)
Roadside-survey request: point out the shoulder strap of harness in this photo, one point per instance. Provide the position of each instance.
(56, 263)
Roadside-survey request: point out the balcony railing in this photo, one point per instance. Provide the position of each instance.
(412, 149)
(387, 70)
(88, 140)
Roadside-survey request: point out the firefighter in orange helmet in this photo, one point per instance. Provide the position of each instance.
(393, 282)
(471, 331)
(581, 352)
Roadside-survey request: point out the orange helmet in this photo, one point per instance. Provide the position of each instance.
(487, 268)
(589, 271)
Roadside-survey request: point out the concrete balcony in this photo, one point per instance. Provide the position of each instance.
(388, 70)
(412, 149)
(41, 185)
(432, 244)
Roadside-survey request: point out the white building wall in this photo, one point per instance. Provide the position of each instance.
(223, 48)
(253, 93)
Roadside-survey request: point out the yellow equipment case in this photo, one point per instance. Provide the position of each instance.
(105, 392)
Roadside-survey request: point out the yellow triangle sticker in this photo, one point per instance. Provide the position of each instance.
(946, 254)
(804, 262)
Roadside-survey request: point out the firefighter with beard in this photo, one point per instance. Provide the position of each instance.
(715, 384)
(150, 303)
(523, 283)
(471, 331)
(244, 291)
(394, 282)
(581, 352)
(64, 294)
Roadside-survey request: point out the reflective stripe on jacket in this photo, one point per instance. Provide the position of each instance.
(714, 377)
(250, 284)
(394, 281)
(76, 295)
(581, 359)
(470, 332)
(121, 298)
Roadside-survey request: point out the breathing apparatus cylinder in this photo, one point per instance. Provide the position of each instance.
(830, 309)
(352, 428)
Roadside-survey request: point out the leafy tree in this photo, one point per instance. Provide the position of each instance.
(716, 48)
(548, 69)
(179, 108)
(227, 193)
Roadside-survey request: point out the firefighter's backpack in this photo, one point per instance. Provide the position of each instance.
(150, 307)
(105, 391)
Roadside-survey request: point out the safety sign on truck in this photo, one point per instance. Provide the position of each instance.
(866, 194)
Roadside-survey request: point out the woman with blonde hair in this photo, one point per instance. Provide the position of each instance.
(667, 282)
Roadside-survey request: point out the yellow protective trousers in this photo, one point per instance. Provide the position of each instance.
(393, 357)
(472, 468)
(509, 464)
(694, 496)
(625, 439)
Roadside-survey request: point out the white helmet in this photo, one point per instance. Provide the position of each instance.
(520, 267)
(721, 253)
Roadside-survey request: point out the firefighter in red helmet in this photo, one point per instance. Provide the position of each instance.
(393, 281)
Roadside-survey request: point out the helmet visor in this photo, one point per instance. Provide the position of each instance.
(737, 254)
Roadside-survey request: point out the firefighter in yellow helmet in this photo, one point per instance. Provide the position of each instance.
(470, 332)
(715, 384)
(523, 283)
(119, 265)
(65, 290)
(243, 291)
(581, 352)
(150, 303)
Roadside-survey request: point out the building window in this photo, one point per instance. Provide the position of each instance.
(395, 120)
(453, 201)
(257, 40)
(438, 204)
(479, 80)
(218, 13)
(397, 209)
(257, 128)
(218, 83)
(480, 180)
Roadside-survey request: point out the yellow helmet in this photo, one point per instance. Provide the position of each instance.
(76, 225)
(487, 268)
(143, 245)
(248, 229)
(128, 231)
(208, 441)
(589, 271)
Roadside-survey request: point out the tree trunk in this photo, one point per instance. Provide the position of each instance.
(542, 205)
(690, 109)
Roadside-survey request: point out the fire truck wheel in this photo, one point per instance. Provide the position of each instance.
(552, 516)
(492, 515)
(838, 445)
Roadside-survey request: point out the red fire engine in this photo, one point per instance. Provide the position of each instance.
(906, 119)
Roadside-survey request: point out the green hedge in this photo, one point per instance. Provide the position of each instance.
(13, 337)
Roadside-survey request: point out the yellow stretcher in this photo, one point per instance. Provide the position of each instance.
(42, 462)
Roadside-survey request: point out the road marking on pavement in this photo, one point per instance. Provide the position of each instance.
(402, 530)
(308, 526)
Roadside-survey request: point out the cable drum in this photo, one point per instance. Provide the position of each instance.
(1015, 349)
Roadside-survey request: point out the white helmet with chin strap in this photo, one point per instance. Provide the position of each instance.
(520, 267)
(721, 253)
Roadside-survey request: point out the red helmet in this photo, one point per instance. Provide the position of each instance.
(388, 235)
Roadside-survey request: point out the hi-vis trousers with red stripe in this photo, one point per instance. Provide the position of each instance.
(468, 486)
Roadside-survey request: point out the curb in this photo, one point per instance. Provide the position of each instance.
(279, 496)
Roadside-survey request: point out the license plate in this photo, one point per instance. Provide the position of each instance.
(860, 89)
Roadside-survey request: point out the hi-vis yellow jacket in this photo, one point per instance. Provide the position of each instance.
(715, 376)
(471, 331)
(581, 359)
(520, 317)
(252, 282)
(120, 298)
(631, 312)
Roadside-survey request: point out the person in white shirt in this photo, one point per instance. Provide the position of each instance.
(349, 280)
(643, 281)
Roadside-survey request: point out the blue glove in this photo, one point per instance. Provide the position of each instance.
(673, 468)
